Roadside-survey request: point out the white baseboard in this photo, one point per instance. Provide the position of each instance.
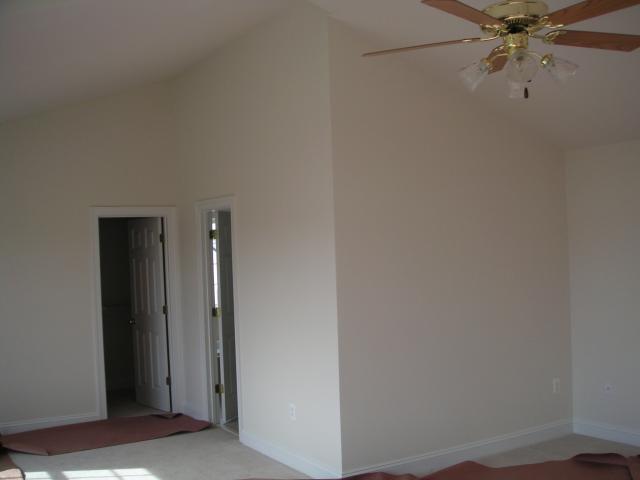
(190, 410)
(432, 461)
(7, 428)
(613, 433)
(310, 468)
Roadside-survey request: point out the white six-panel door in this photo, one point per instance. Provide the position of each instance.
(148, 318)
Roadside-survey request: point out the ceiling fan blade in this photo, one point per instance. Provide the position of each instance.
(606, 41)
(424, 45)
(588, 9)
(464, 11)
(498, 59)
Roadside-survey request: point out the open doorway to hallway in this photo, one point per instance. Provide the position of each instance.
(222, 319)
(134, 315)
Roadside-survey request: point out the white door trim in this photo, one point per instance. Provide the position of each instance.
(201, 211)
(173, 298)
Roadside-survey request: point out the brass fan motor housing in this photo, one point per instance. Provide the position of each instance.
(518, 16)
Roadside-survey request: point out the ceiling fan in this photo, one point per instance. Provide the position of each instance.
(514, 22)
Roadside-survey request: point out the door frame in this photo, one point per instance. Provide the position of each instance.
(172, 285)
(202, 210)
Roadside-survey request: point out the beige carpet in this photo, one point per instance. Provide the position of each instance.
(216, 454)
(586, 466)
(558, 449)
(210, 454)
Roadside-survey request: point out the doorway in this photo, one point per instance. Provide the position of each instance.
(221, 315)
(134, 311)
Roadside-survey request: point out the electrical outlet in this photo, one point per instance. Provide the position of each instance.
(555, 385)
(608, 388)
(292, 412)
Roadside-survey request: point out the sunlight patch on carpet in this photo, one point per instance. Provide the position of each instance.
(113, 474)
(102, 474)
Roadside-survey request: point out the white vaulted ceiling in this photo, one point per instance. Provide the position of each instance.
(600, 105)
(56, 51)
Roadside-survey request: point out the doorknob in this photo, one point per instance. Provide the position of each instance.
(132, 321)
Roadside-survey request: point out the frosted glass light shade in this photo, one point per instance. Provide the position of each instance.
(561, 70)
(521, 67)
(515, 90)
(474, 74)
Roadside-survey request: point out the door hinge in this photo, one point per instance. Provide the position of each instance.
(215, 311)
(164, 309)
(213, 234)
(219, 388)
(168, 380)
(161, 236)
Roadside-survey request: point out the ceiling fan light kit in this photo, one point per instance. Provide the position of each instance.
(473, 75)
(517, 90)
(521, 67)
(514, 22)
(561, 70)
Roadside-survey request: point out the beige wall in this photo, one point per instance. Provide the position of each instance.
(447, 316)
(603, 204)
(53, 167)
(451, 265)
(254, 123)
